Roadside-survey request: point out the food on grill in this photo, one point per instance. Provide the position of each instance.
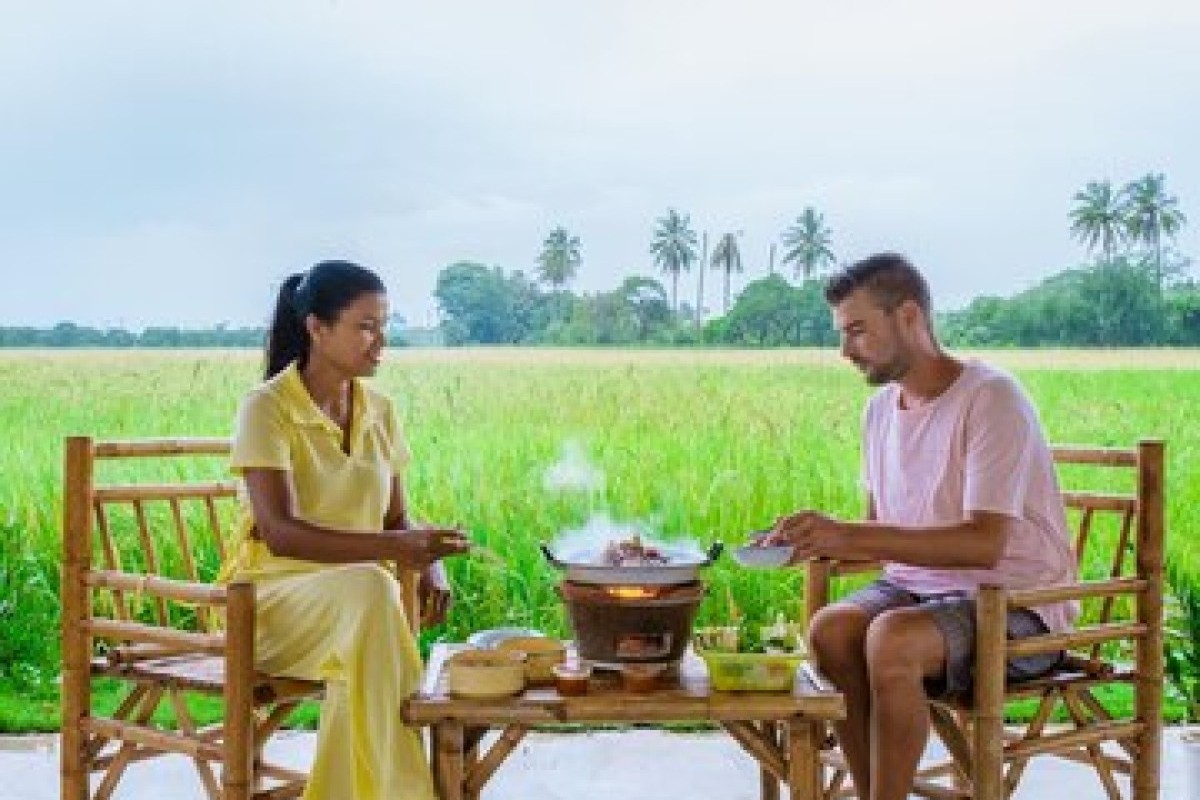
(632, 552)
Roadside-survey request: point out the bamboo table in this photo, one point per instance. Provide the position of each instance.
(782, 731)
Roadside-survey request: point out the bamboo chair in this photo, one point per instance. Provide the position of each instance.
(1118, 640)
(149, 618)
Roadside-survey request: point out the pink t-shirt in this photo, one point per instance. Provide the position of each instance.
(977, 447)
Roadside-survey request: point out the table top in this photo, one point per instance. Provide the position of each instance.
(685, 697)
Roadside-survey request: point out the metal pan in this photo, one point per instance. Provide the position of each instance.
(683, 566)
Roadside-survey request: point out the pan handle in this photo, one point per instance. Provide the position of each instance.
(550, 556)
(714, 552)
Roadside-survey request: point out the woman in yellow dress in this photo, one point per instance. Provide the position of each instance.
(322, 460)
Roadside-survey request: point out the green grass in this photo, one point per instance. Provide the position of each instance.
(709, 445)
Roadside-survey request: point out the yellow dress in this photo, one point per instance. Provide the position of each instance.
(341, 624)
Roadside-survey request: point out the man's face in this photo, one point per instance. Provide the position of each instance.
(872, 338)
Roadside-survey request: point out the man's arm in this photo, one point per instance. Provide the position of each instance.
(976, 543)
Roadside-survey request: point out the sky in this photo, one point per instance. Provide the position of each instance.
(171, 163)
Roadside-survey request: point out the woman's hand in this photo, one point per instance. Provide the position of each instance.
(418, 549)
(435, 593)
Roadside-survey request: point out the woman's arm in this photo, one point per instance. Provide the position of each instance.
(396, 518)
(272, 500)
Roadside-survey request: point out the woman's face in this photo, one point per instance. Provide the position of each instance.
(354, 342)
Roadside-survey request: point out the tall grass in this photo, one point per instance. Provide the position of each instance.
(706, 445)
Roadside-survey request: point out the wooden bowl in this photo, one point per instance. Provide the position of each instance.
(572, 680)
(541, 656)
(641, 678)
(486, 673)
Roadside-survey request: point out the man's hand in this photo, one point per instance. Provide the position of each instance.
(814, 535)
(435, 593)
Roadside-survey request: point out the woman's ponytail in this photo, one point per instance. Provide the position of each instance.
(287, 340)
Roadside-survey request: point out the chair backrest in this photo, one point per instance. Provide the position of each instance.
(1117, 522)
(164, 509)
(161, 510)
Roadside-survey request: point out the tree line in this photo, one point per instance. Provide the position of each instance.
(1131, 289)
(1132, 292)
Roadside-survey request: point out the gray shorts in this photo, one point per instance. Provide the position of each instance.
(954, 614)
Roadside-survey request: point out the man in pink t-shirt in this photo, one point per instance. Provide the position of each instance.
(961, 492)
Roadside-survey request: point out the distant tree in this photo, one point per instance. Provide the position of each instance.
(647, 300)
(770, 312)
(727, 258)
(480, 304)
(1106, 305)
(560, 258)
(674, 248)
(808, 244)
(1098, 219)
(1151, 214)
(1183, 315)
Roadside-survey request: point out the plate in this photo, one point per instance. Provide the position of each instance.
(763, 556)
(486, 640)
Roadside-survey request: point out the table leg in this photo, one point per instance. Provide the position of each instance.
(769, 784)
(804, 758)
(471, 744)
(435, 763)
(449, 744)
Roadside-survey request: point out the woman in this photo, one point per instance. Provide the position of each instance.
(322, 459)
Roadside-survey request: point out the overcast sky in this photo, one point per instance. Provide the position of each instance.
(171, 162)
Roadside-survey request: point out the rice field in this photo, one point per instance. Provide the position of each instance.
(709, 445)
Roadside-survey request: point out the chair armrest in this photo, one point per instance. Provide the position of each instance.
(1025, 598)
(840, 568)
(203, 594)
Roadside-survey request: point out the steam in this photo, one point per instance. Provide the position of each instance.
(573, 472)
(588, 542)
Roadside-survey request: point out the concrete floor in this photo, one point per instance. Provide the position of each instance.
(631, 765)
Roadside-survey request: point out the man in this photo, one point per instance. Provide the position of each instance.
(961, 492)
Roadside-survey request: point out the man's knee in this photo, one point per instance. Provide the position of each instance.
(903, 646)
(836, 634)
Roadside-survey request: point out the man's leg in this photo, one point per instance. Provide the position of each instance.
(837, 638)
(903, 647)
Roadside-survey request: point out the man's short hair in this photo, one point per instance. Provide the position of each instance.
(889, 277)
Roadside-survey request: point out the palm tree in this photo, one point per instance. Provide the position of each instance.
(674, 248)
(559, 259)
(1150, 214)
(727, 258)
(807, 244)
(1099, 218)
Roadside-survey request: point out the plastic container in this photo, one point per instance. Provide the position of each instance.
(751, 672)
(541, 656)
(486, 673)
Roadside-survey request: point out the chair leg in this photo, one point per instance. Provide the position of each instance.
(237, 779)
(987, 777)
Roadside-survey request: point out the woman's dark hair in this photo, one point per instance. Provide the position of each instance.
(889, 277)
(324, 291)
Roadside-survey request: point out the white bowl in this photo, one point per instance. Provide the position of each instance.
(485, 640)
(764, 556)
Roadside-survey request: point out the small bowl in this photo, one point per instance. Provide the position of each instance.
(572, 680)
(542, 654)
(764, 556)
(641, 678)
(486, 673)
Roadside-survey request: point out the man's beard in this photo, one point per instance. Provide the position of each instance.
(882, 374)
